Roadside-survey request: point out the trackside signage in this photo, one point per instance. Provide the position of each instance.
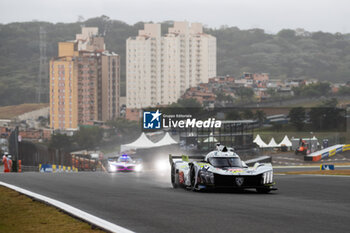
(157, 120)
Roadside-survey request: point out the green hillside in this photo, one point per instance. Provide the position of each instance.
(320, 55)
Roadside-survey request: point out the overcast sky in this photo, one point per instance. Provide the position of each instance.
(271, 15)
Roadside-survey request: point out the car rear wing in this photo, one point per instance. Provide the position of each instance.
(185, 158)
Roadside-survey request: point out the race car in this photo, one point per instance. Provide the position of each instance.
(124, 163)
(221, 168)
(303, 148)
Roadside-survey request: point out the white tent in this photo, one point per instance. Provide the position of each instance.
(285, 142)
(259, 142)
(257, 138)
(141, 143)
(211, 138)
(166, 140)
(272, 143)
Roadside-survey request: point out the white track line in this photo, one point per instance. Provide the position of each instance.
(71, 210)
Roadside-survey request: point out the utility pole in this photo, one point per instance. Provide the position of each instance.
(42, 87)
(16, 150)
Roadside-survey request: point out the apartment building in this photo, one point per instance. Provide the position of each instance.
(84, 82)
(161, 68)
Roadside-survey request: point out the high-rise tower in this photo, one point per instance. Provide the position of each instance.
(161, 68)
(84, 82)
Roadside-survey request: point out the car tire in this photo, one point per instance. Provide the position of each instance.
(174, 177)
(263, 190)
(193, 178)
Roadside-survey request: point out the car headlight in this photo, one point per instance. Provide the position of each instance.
(112, 168)
(138, 168)
(268, 177)
(162, 165)
(206, 177)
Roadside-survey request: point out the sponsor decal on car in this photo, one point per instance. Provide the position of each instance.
(235, 170)
(239, 181)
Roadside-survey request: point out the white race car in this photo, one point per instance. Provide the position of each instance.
(221, 168)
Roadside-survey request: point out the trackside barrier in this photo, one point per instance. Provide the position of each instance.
(327, 167)
(19, 165)
(48, 168)
(346, 147)
(327, 152)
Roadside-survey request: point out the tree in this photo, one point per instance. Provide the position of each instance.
(329, 103)
(189, 103)
(245, 93)
(233, 115)
(124, 130)
(316, 118)
(88, 137)
(276, 126)
(272, 92)
(313, 90)
(222, 97)
(298, 117)
(247, 114)
(184, 106)
(344, 90)
(327, 116)
(260, 116)
(286, 34)
(61, 142)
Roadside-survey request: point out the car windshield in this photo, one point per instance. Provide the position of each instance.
(225, 162)
(124, 159)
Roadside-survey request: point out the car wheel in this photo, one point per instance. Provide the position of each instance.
(174, 177)
(193, 178)
(263, 190)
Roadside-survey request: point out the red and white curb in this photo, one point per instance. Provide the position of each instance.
(103, 224)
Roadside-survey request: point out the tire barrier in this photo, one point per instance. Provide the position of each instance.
(327, 152)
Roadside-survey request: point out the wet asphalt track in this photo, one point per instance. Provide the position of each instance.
(146, 202)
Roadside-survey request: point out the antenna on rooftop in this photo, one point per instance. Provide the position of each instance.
(43, 67)
(107, 22)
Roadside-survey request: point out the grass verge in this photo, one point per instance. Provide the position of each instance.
(19, 213)
(320, 172)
